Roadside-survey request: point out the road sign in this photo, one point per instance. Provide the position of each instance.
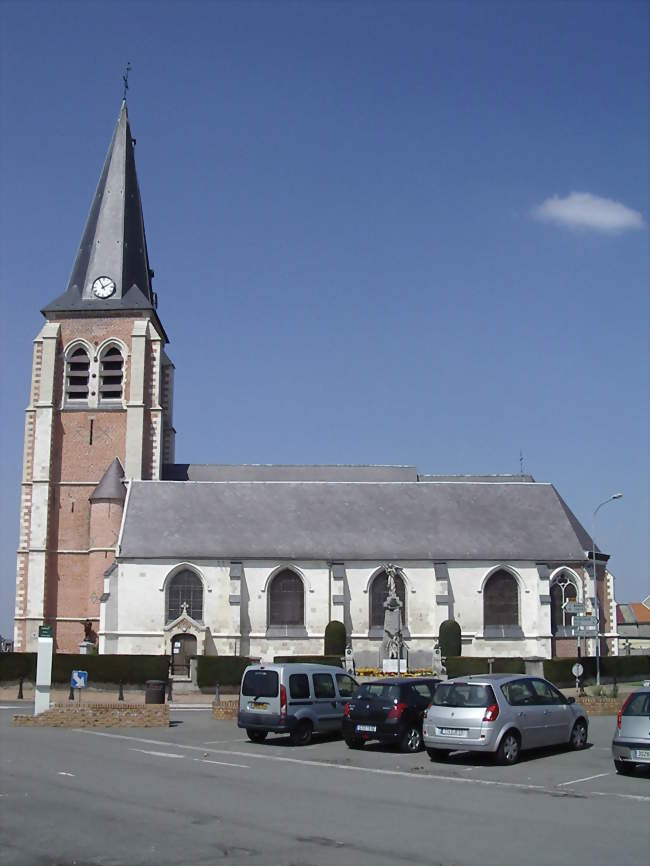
(574, 606)
(577, 670)
(45, 631)
(79, 679)
(585, 622)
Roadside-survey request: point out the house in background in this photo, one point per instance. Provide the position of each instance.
(633, 625)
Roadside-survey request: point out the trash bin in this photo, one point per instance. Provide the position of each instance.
(154, 692)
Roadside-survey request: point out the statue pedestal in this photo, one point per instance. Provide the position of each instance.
(86, 648)
(389, 666)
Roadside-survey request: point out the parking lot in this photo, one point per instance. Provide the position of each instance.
(200, 791)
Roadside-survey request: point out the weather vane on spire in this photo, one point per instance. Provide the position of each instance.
(125, 79)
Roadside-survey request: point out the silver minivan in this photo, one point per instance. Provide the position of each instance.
(502, 714)
(293, 698)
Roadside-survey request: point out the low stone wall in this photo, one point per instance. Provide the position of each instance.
(99, 716)
(225, 709)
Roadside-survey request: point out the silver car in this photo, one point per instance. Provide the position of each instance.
(631, 743)
(501, 714)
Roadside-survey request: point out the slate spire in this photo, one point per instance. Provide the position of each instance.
(111, 270)
(111, 487)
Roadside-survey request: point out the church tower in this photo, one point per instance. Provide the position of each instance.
(99, 413)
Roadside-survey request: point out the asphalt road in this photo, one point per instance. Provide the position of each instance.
(199, 792)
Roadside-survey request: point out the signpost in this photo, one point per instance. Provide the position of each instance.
(577, 670)
(574, 606)
(43, 669)
(78, 680)
(587, 624)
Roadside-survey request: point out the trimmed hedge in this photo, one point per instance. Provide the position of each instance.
(335, 637)
(621, 668)
(13, 666)
(310, 660)
(458, 666)
(128, 669)
(225, 670)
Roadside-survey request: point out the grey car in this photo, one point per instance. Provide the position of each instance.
(501, 714)
(631, 743)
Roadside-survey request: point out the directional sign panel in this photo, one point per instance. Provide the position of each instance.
(585, 621)
(79, 679)
(575, 607)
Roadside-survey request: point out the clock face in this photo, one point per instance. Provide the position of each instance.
(103, 287)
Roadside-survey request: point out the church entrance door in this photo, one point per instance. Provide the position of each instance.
(183, 648)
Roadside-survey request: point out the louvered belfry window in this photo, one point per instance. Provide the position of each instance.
(185, 593)
(501, 600)
(111, 374)
(287, 599)
(378, 592)
(77, 375)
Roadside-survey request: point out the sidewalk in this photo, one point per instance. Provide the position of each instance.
(59, 695)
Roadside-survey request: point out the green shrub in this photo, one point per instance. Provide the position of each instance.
(309, 660)
(128, 669)
(625, 667)
(459, 666)
(225, 670)
(335, 637)
(13, 666)
(449, 639)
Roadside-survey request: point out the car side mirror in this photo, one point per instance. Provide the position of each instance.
(570, 700)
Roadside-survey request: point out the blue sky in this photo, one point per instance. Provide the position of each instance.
(382, 232)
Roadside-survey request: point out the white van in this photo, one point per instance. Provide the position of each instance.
(293, 698)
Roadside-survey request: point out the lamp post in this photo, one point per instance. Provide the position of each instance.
(593, 565)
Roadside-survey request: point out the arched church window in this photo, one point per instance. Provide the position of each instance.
(501, 600)
(563, 590)
(185, 595)
(111, 374)
(378, 592)
(77, 376)
(286, 599)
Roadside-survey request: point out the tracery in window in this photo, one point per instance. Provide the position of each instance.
(501, 600)
(185, 595)
(378, 592)
(286, 599)
(563, 590)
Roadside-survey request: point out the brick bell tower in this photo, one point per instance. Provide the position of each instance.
(99, 413)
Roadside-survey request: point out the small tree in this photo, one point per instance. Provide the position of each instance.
(335, 638)
(449, 638)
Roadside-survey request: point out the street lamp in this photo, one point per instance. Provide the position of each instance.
(593, 565)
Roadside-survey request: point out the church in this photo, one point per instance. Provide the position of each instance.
(145, 555)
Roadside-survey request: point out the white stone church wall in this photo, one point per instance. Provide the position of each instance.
(239, 624)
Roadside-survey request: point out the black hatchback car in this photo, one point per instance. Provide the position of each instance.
(390, 711)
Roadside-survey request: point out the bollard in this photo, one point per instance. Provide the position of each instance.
(120, 695)
(217, 698)
(71, 695)
(20, 689)
(169, 692)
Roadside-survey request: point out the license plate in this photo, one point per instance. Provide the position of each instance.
(370, 729)
(642, 754)
(453, 732)
(259, 705)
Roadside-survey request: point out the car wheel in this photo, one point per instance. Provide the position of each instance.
(509, 748)
(624, 768)
(578, 735)
(412, 739)
(438, 754)
(354, 742)
(256, 736)
(301, 734)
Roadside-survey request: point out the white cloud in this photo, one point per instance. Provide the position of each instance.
(582, 210)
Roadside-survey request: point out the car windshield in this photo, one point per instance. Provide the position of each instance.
(463, 695)
(383, 691)
(639, 705)
(260, 684)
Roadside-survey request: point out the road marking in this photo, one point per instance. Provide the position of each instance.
(61, 773)
(221, 763)
(374, 770)
(15, 708)
(221, 742)
(586, 779)
(157, 754)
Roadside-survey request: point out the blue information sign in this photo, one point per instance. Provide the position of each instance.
(79, 679)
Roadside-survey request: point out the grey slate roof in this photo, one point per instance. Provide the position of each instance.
(348, 520)
(113, 242)
(264, 472)
(112, 486)
(501, 479)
